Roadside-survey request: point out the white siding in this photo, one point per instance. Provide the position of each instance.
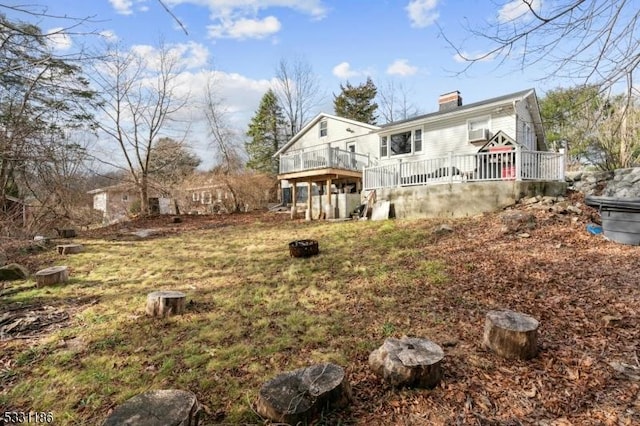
(439, 138)
(524, 120)
(100, 201)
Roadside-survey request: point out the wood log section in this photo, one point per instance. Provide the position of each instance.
(299, 396)
(512, 335)
(165, 303)
(69, 248)
(408, 362)
(157, 408)
(52, 275)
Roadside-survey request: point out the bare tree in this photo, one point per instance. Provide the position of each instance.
(394, 103)
(225, 142)
(298, 91)
(138, 99)
(595, 41)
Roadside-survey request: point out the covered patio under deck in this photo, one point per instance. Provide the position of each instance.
(325, 178)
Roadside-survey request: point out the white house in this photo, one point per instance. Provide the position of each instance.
(498, 139)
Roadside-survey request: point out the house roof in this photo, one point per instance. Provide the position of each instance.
(314, 121)
(116, 187)
(499, 99)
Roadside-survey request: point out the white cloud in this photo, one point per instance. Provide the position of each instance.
(244, 28)
(244, 8)
(58, 39)
(190, 55)
(517, 9)
(401, 67)
(109, 36)
(343, 71)
(123, 7)
(422, 13)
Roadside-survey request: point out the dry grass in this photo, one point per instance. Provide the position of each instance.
(254, 312)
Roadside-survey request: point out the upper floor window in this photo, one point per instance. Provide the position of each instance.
(125, 197)
(323, 128)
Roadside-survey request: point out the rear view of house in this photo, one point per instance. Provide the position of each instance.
(498, 143)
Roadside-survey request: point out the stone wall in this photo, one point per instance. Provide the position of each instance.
(463, 199)
(622, 183)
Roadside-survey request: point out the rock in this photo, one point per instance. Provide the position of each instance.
(299, 396)
(408, 362)
(548, 200)
(529, 201)
(510, 334)
(442, 229)
(523, 235)
(574, 209)
(573, 176)
(157, 408)
(515, 221)
(13, 272)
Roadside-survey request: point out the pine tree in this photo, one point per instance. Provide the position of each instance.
(357, 103)
(266, 131)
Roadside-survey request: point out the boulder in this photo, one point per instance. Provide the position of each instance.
(515, 221)
(13, 272)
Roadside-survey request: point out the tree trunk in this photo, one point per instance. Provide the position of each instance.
(299, 396)
(144, 195)
(52, 275)
(510, 334)
(408, 362)
(157, 407)
(165, 303)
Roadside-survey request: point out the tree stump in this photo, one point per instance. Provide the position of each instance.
(408, 362)
(52, 275)
(69, 248)
(157, 408)
(165, 303)
(510, 334)
(301, 395)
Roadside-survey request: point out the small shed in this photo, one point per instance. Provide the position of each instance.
(119, 202)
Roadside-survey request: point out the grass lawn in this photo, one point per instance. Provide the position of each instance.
(254, 312)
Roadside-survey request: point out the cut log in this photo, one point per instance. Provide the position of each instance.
(157, 408)
(165, 303)
(52, 275)
(511, 335)
(408, 362)
(69, 248)
(300, 395)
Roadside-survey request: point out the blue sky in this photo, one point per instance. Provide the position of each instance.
(243, 41)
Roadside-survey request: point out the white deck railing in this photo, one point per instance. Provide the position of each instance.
(321, 158)
(482, 166)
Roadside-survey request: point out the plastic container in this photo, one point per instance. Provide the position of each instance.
(620, 218)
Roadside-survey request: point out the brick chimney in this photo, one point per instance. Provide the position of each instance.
(450, 101)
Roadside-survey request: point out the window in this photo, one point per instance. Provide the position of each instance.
(125, 197)
(478, 129)
(400, 143)
(323, 129)
(383, 147)
(195, 196)
(351, 147)
(528, 136)
(206, 198)
(417, 140)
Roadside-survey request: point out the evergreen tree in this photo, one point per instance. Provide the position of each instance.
(357, 103)
(266, 131)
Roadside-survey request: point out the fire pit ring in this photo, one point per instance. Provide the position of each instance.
(303, 248)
